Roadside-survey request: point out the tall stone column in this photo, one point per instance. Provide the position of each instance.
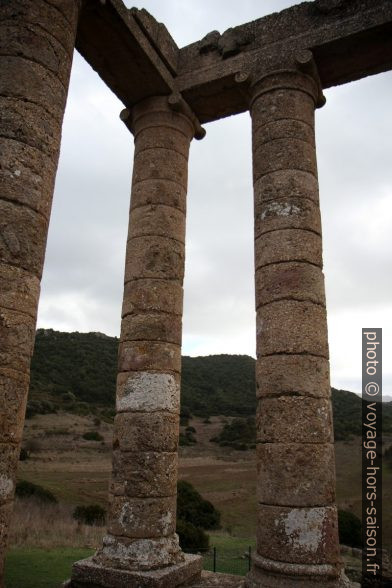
(297, 534)
(37, 41)
(141, 547)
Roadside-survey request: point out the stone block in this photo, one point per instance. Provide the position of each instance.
(17, 332)
(88, 573)
(144, 432)
(9, 457)
(154, 257)
(294, 419)
(149, 355)
(290, 326)
(295, 474)
(157, 220)
(283, 128)
(290, 280)
(19, 289)
(288, 245)
(163, 191)
(298, 535)
(285, 374)
(14, 388)
(284, 154)
(291, 212)
(139, 518)
(22, 237)
(152, 327)
(161, 164)
(144, 474)
(147, 392)
(149, 295)
(158, 132)
(286, 183)
(282, 103)
(139, 554)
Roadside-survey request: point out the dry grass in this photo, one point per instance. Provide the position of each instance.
(50, 526)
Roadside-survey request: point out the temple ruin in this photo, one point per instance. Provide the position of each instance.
(276, 68)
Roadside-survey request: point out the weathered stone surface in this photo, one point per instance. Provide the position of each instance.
(24, 173)
(161, 164)
(148, 392)
(161, 132)
(149, 355)
(139, 554)
(292, 419)
(283, 128)
(291, 212)
(282, 103)
(289, 326)
(284, 154)
(288, 245)
(149, 295)
(88, 573)
(288, 183)
(139, 431)
(9, 456)
(17, 332)
(295, 474)
(157, 220)
(159, 191)
(290, 281)
(19, 289)
(298, 535)
(22, 237)
(152, 327)
(155, 257)
(139, 518)
(211, 579)
(13, 386)
(144, 474)
(299, 374)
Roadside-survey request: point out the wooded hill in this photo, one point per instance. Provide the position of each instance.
(77, 372)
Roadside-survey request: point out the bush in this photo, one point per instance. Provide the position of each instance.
(349, 529)
(93, 436)
(26, 489)
(191, 537)
(24, 454)
(240, 434)
(91, 514)
(192, 508)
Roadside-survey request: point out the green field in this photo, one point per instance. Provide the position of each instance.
(40, 568)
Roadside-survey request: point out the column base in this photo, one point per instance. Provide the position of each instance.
(88, 574)
(267, 573)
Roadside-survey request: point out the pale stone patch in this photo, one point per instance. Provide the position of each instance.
(304, 528)
(6, 486)
(146, 391)
(280, 209)
(148, 553)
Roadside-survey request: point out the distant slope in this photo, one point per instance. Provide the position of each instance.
(79, 370)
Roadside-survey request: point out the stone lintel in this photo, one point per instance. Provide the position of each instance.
(134, 59)
(349, 40)
(87, 574)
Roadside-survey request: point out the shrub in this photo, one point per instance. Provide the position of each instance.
(93, 436)
(240, 434)
(91, 514)
(191, 537)
(26, 489)
(24, 454)
(349, 529)
(192, 508)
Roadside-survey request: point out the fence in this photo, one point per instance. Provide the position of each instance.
(226, 561)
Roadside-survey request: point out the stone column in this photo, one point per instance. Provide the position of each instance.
(37, 41)
(141, 547)
(297, 534)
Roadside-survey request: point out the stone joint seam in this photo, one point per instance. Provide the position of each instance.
(261, 234)
(261, 355)
(33, 316)
(18, 140)
(154, 235)
(293, 569)
(137, 118)
(129, 340)
(134, 279)
(320, 266)
(39, 104)
(139, 151)
(275, 120)
(135, 183)
(160, 126)
(20, 266)
(286, 169)
(155, 204)
(290, 299)
(49, 71)
(24, 205)
(263, 143)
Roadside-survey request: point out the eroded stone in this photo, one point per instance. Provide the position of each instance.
(143, 432)
(139, 518)
(148, 392)
(290, 280)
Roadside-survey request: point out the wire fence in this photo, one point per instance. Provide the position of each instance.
(225, 561)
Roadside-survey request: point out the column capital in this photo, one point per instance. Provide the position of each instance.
(298, 73)
(172, 109)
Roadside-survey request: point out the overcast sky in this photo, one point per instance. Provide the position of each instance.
(83, 277)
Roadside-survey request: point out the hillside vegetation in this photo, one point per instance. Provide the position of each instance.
(77, 372)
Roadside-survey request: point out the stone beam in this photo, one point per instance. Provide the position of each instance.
(133, 54)
(349, 39)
